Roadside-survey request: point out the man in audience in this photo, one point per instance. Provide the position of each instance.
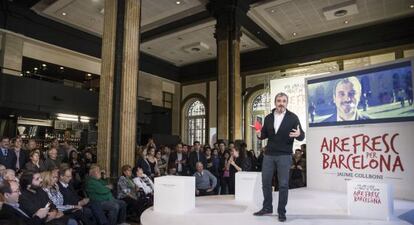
(33, 198)
(10, 211)
(196, 156)
(70, 197)
(178, 160)
(52, 161)
(7, 157)
(205, 181)
(21, 155)
(100, 191)
(31, 145)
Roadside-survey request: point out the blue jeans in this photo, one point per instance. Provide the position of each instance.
(116, 210)
(282, 163)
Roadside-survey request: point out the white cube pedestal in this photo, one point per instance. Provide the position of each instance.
(174, 194)
(370, 200)
(249, 187)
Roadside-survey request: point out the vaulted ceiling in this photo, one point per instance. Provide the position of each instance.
(180, 33)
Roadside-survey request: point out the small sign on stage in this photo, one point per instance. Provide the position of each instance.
(370, 200)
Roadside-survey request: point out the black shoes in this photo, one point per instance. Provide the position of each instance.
(263, 212)
(282, 217)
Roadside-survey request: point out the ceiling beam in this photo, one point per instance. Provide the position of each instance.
(178, 25)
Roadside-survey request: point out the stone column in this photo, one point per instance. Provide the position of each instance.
(227, 34)
(118, 85)
(11, 56)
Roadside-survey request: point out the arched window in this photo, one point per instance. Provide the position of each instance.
(196, 122)
(258, 114)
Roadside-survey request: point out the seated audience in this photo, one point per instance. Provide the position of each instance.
(52, 160)
(143, 182)
(99, 190)
(205, 181)
(35, 164)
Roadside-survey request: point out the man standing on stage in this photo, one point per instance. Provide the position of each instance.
(280, 127)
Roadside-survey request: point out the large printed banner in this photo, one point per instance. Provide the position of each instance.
(362, 128)
(295, 88)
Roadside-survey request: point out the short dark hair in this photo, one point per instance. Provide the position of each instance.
(26, 179)
(196, 142)
(63, 168)
(4, 137)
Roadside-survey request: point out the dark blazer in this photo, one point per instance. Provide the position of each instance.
(280, 143)
(143, 163)
(359, 116)
(70, 197)
(8, 160)
(10, 215)
(192, 161)
(32, 200)
(173, 158)
(32, 167)
(23, 158)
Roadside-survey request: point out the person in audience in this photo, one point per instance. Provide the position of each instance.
(11, 213)
(52, 161)
(129, 193)
(151, 143)
(196, 156)
(7, 156)
(143, 182)
(142, 162)
(162, 163)
(10, 175)
(70, 197)
(166, 151)
(50, 186)
(205, 181)
(21, 155)
(78, 169)
(238, 162)
(225, 177)
(209, 158)
(222, 148)
(215, 169)
(296, 170)
(153, 163)
(33, 198)
(178, 160)
(2, 171)
(88, 160)
(31, 145)
(253, 160)
(35, 164)
(100, 191)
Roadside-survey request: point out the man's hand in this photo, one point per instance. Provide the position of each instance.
(295, 132)
(51, 215)
(42, 212)
(83, 202)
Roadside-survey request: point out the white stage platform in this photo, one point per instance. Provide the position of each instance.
(304, 207)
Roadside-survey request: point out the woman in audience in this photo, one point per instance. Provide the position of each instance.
(128, 192)
(225, 177)
(88, 160)
(50, 186)
(162, 163)
(238, 162)
(78, 170)
(145, 185)
(35, 164)
(152, 161)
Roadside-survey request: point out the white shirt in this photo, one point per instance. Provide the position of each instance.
(64, 185)
(141, 184)
(338, 119)
(278, 120)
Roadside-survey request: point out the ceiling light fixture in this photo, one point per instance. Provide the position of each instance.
(89, 75)
(272, 11)
(411, 6)
(341, 13)
(178, 2)
(64, 14)
(294, 33)
(35, 68)
(27, 71)
(62, 68)
(44, 65)
(346, 22)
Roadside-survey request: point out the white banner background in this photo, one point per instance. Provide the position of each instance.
(335, 178)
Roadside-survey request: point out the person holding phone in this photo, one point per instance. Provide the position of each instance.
(280, 127)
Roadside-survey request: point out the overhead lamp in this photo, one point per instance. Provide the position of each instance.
(67, 119)
(84, 121)
(35, 68)
(67, 115)
(178, 2)
(89, 75)
(411, 6)
(44, 65)
(61, 68)
(309, 63)
(294, 34)
(346, 22)
(64, 14)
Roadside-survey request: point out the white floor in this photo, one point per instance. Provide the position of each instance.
(304, 207)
